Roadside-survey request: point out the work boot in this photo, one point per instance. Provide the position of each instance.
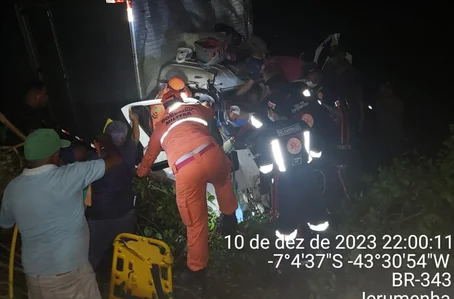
(228, 224)
(195, 280)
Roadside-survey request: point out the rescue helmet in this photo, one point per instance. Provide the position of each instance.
(170, 98)
(177, 84)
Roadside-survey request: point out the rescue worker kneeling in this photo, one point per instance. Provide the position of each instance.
(196, 160)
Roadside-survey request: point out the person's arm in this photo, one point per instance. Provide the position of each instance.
(113, 156)
(135, 126)
(245, 88)
(7, 220)
(153, 150)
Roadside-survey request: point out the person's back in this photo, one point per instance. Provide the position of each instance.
(45, 202)
(183, 139)
(46, 194)
(112, 197)
(113, 194)
(292, 66)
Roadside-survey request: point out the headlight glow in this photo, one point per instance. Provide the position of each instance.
(255, 122)
(266, 168)
(370, 107)
(319, 227)
(288, 237)
(278, 158)
(306, 93)
(319, 102)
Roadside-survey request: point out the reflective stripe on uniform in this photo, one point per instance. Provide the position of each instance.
(178, 122)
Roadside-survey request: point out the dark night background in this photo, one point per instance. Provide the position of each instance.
(405, 43)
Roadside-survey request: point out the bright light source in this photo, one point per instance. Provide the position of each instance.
(319, 102)
(278, 158)
(306, 93)
(92, 145)
(175, 106)
(319, 227)
(288, 237)
(255, 122)
(370, 107)
(130, 16)
(266, 168)
(315, 154)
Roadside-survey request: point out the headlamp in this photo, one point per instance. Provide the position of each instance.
(306, 93)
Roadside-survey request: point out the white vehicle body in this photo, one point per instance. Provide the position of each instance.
(225, 78)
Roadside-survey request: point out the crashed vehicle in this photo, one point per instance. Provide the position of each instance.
(216, 83)
(212, 84)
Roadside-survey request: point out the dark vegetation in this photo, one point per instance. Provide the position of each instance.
(414, 196)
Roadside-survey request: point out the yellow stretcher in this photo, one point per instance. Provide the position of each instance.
(141, 268)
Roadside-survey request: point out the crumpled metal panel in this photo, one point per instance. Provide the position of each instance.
(161, 26)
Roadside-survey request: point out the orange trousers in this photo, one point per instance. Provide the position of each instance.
(191, 182)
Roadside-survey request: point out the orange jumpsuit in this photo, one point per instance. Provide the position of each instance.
(195, 160)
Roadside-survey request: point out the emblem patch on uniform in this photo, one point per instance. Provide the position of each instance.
(320, 95)
(294, 146)
(155, 111)
(308, 119)
(297, 161)
(289, 130)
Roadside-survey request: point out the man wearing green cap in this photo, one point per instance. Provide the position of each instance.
(45, 203)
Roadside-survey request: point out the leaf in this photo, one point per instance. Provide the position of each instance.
(148, 231)
(210, 197)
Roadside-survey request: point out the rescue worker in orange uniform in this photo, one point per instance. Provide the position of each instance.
(175, 84)
(196, 160)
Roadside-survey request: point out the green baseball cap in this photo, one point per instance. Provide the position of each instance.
(42, 144)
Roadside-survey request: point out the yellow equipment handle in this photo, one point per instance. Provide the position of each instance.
(107, 123)
(11, 264)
